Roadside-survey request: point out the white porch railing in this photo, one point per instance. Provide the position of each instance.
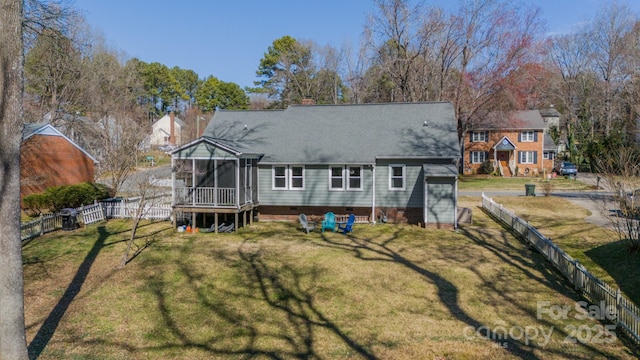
(206, 196)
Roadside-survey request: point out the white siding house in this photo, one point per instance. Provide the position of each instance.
(161, 133)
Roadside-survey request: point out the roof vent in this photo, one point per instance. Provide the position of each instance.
(245, 127)
(425, 123)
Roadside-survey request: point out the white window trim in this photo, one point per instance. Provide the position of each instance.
(478, 162)
(273, 178)
(404, 177)
(348, 178)
(533, 136)
(342, 176)
(522, 157)
(479, 138)
(290, 177)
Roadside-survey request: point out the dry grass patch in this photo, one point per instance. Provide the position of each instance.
(271, 291)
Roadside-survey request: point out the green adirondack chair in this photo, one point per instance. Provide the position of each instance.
(329, 221)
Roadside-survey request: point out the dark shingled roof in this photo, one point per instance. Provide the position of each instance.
(517, 120)
(549, 112)
(440, 170)
(548, 143)
(340, 134)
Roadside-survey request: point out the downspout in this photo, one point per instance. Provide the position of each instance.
(373, 194)
(425, 194)
(455, 205)
(173, 193)
(542, 153)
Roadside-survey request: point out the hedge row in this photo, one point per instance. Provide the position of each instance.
(67, 196)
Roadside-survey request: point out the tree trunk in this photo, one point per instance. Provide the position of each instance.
(13, 344)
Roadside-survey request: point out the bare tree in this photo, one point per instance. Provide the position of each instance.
(356, 65)
(13, 343)
(148, 196)
(495, 38)
(396, 25)
(53, 57)
(117, 122)
(620, 171)
(607, 36)
(327, 82)
(121, 138)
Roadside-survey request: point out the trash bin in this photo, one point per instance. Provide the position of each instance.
(69, 219)
(530, 189)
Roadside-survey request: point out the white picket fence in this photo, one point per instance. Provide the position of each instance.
(40, 226)
(591, 287)
(157, 209)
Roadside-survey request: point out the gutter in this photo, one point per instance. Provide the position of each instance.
(417, 157)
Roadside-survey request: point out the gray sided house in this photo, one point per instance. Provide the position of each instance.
(395, 161)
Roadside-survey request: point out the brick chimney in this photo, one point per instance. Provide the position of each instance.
(172, 128)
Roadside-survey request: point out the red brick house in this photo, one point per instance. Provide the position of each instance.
(514, 144)
(48, 158)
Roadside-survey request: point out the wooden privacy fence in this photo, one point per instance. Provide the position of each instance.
(626, 313)
(99, 211)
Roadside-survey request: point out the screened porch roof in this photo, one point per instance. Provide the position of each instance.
(209, 148)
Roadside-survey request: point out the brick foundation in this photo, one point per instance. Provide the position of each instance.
(316, 213)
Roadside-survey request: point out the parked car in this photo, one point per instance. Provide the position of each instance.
(566, 168)
(167, 148)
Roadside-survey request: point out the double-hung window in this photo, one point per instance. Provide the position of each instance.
(478, 136)
(345, 178)
(280, 178)
(527, 157)
(296, 178)
(397, 177)
(527, 136)
(288, 178)
(478, 157)
(354, 178)
(336, 178)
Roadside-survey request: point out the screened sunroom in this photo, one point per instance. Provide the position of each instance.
(213, 185)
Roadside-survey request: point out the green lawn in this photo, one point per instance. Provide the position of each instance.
(488, 182)
(598, 249)
(271, 291)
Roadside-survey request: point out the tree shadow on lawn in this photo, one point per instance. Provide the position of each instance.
(288, 328)
(513, 255)
(370, 250)
(289, 291)
(50, 324)
(621, 265)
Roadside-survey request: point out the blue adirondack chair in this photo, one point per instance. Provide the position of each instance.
(346, 228)
(329, 221)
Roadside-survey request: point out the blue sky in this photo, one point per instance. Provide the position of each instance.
(227, 38)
